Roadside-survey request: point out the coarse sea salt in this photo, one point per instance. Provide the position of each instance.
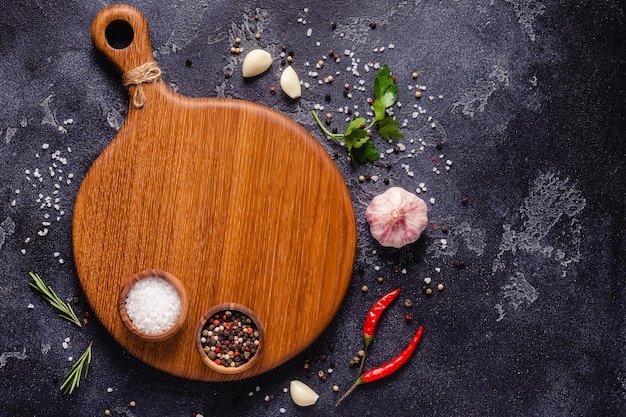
(153, 305)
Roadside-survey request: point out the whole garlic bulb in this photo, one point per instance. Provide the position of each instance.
(397, 217)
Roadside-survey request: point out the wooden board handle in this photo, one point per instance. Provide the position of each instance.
(120, 33)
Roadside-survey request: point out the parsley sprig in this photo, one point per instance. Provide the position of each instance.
(50, 296)
(356, 138)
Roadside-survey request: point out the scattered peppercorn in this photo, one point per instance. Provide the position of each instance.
(188, 62)
(256, 17)
(333, 25)
(386, 180)
(257, 36)
(418, 94)
(361, 178)
(444, 229)
(439, 145)
(335, 388)
(75, 300)
(227, 74)
(320, 373)
(408, 318)
(465, 201)
(408, 302)
(364, 288)
(327, 97)
(132, 404)
(273, 90)
(429, 291)
(373, 25)
(459, 264)
(414, 75)
(380, 280)
(361, 353)
(237, 41)
(290, 59)
(395, 268)
(283, 47)
(440, 286)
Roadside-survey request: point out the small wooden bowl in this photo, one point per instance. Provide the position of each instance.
(230, 307)
(182, 293)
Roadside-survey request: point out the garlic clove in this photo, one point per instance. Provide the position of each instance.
(397, 217)
(302, 394)
(290, 83)
(256, 62)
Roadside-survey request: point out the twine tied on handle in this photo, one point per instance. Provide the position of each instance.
(146, 73)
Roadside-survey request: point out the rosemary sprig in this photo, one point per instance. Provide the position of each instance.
(72, 377)
(49, 295)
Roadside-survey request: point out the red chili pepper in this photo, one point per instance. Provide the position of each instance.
(369, 327)
(388, 368)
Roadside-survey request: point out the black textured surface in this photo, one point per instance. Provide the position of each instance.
(527, 100)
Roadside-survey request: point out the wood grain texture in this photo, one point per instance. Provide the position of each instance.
(236, 200)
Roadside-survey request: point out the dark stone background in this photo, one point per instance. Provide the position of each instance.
(528, 103)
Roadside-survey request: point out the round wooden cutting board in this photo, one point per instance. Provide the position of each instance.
(236, 200)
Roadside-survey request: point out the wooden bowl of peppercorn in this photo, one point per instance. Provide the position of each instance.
(230, 338)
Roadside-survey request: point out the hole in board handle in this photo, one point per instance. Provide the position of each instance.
(119, 34)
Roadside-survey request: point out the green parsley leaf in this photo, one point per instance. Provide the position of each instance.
(384, 82)
(355, 125)
(366, 152)
(388, 129)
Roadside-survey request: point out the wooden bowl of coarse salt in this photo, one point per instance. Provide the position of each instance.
(153, 305)
(230, 338)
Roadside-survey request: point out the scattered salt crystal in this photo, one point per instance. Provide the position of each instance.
(282, 411)
(109, 389)
(427, 280)
(432, 200)
(30, 306)
(153, 305)
(309, 32)
(437, 269)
